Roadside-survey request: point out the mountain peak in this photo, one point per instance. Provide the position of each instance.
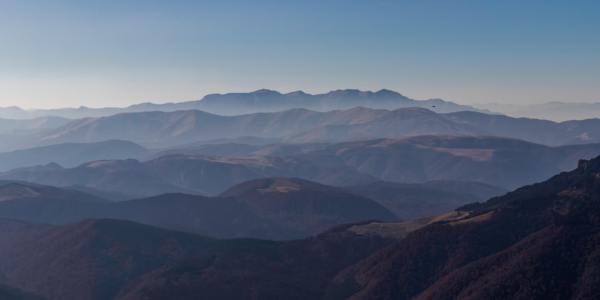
(345, 93)
(266, 92)
(273, 185)
(388, 93)
(298, 93)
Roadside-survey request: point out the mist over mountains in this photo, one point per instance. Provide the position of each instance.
(121, 179)
(71, 154)
(266, 100)
(343, 195)
(25, 126)
(168, 129)
(500, 162)
(258, 101)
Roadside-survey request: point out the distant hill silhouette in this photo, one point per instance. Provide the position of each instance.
(263, 100)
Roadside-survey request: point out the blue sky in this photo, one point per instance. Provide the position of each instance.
(68, 53)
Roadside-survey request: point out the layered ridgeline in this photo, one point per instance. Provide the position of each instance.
(16, 134)
(494, 250)
(275, 208)
(190, 174)
(169, 129)
(539, 242)
(257, 101)
(71, 154)
(273, 101)
(20, 127)
(160, 129)
(268, 207)
(505, 163)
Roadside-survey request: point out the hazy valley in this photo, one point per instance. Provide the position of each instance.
(188, 200)
(299, 150)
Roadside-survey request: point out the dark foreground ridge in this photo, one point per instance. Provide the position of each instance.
(538, 242)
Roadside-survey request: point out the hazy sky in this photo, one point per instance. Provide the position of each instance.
(95, 53)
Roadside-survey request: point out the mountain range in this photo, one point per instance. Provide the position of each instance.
(253, 102)
(25, 126)
(182, 174)
(538, 242)
(344, 195)
(274, 208)
(505, 163)
(277, 207)
(491, 250)
(255, 200)
(265, 100)
(71, 154)
(170, 129)
(496, 161)
(160, 129)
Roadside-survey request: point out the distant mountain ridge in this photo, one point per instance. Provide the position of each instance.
(162, 129)
(192, 174)
(170, 129)
(502, 162)
(271, 101)
(71, 154)
(25, 126)
(263, 100)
